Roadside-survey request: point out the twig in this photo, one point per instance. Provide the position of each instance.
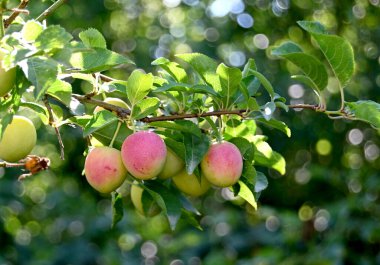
(20, 9)
(52, 123)
(50, 10)
(31, 163)
(303, 106)
(125, 113)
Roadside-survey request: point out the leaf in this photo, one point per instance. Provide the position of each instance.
(61, 90)
(138, 86)
(265, 82)
(99, 120)
(204, 66)
(247, 194)
(92, 38)
(245, 147)
(166, 200)
(117, 208)
(195, 149)
(337, 50)
(31, 30)
(105, 134)
(248, 67)
(4, 122)
(261, 182)
(97, 60)
(230, 80)
(177, 147)
(365, 110)
(144, 108)
(265, 156)
(180, 125)
(40, 110)
(279, 125)
(173, 68)
(41, 72)
(268, 110)
(191, 219)
(308, 64)
(53, 37)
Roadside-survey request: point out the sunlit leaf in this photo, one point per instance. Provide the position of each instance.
(279, 125)
(92, 38)
(180, 125)
(144, 108)
(265, 156)
(139, 85)
(53, 37)
(309, 65)
(247, 195)
(365, 110)
(337, 50)
(61, 90)
(99, 121)
(173, 68)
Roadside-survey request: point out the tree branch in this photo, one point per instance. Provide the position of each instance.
(125, 113)
(16, 12)
(304, 106)
(52, 123)
(50, 10)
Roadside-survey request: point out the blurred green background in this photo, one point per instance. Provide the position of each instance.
(325, 210)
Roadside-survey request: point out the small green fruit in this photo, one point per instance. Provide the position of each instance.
(190, 184)
(18, 140)
(173, 165)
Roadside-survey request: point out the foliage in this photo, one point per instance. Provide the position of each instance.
(55, 66)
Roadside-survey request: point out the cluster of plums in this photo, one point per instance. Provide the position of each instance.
(145, 156)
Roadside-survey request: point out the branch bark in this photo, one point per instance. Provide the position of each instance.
(50, 10)
(15, 13)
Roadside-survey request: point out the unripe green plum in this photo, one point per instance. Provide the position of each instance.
(104, 169)
(114, 101)
(173, 165)
(222, 165)
(18, 140)
(7, 78)
(144, 154)
(190, 184)
(136, 196)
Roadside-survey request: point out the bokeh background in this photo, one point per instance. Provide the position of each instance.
(325, 210)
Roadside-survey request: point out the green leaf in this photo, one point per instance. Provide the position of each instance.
(248, 67)
(261, 182)
(31, 30)
(53, 37)
(265, 82)
(204, 66)
(230, 80)
(279, 125)
(247, 194)
(97, 60)
(117, 208)
(105, 134)
(144, 108)
(365, 110)
(177, 147)
(268, 110)
(41, 72)
(92, 38)
(173, 68)
(337, 50)
(195, 149)
(98, 121)
(180, 125)
(265, 156)
(139, 85)
(191, 219)
(4, 122)
(41, 111)
(245, 147)
(61, 90)
(166, 200)
(308, 64)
